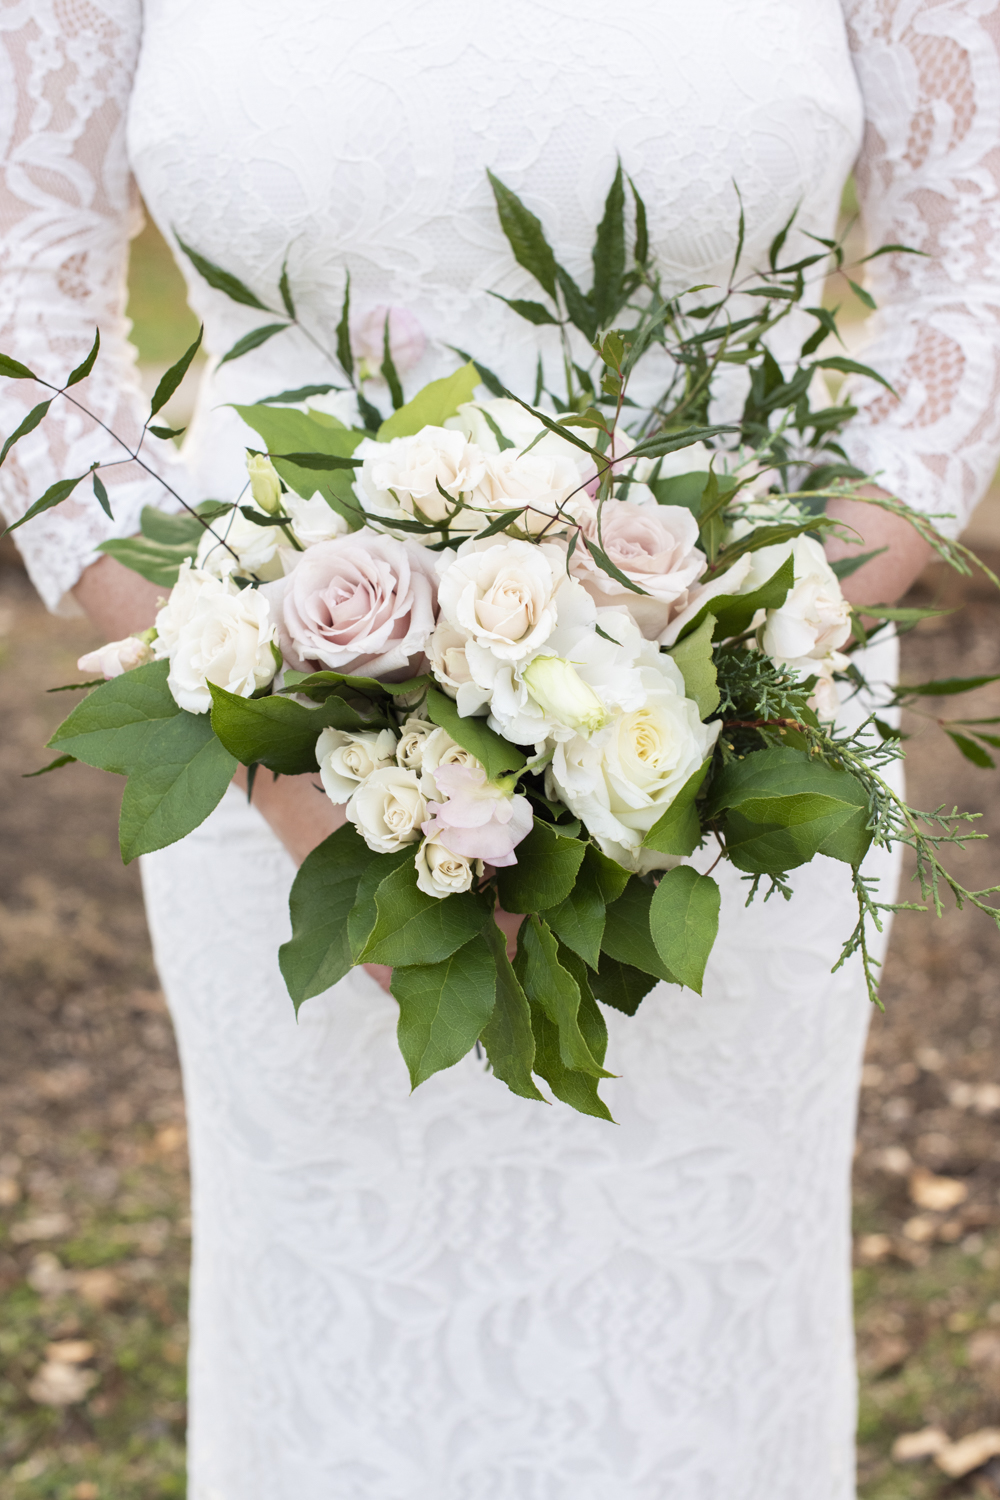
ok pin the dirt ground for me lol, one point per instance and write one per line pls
(94, 1234)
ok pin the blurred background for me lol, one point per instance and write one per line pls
(94, 1228)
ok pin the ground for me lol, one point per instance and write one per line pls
(94, 1234)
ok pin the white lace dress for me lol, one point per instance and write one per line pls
(459, 1295)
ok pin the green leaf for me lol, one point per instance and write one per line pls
(489, 380)
(318, 954)
(53, 765)
(300, 393)
(166, 432)
(222, 281)
(500, 523)
(779, 239)
(443, 1008)
(627, 936)
(389, 370)
(850, 367)
(579, 306)
(546, 421)
(322, 462)
(252, 341)
(545, 872)
(85, 366)
(29, 424)
(473, 734)
(845, 566)
(173, 377)
(154, 561)
(177, 770)
(609, 253)
(578, 1090)
(412, 928)
(579, 920)
(181, 528)
(734, 612)
(684, 921)
(693, 655)
(611, 878)
(507, 1038)
(891, 250)
(286, 291)
(275, 732)
(603, 561)
(944, 687)
(552, 987)
(363, 914)
(641, 229)
(54, 495)
(774, 536)
(659, 445)
(971, 751)
(344, 353)
(861, 294)
(593, 1026)
(432, 406)
(620, 985)
(298, 433)
(534, 312)
(678, 830)
(525, 236)
(14, 370)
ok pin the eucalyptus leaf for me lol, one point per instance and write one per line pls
(54, 495)
(533, 312)
(609, 253)
(12, 369)
(85, 366)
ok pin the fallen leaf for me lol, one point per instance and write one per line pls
(70, 1352)
(99, 1287)
(920, 1228)
(936, 1193)
(873, 1248)
(61, 1385)
(969, 1453)
(926, 1443)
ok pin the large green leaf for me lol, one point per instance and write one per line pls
(508, 1038)
(579, 920)
(678, 830)
(363, 914)
(578, 1090)
(525, 236)
(611, 878)
(497, 756)
(290, 431)
(177, 769)
(548, 984)
(734, 612)
(432, 406)
(318, 954)
(627, 935)
(156, 561)
(693, 655)
(609, 254)
(684, 921)
(413, 928)
(277, 733)
(545, 873)
(620, 985)
(443, 1008)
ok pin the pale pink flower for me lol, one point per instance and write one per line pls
(479, 820)
(655, 546)
(407, 340)
(362, 603)
(116, 657)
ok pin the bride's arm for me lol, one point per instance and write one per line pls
(68, 206)
(928, 176)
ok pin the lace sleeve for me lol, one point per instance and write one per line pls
(928, 176)
(68, 208)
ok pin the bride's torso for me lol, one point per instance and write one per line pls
(357, 137)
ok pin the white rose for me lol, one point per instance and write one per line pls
(237, 545)
(479, 419)
(345, 759)
(388, 809)
(449, 662)
(265, 484)
(626, 776)
(548, 484)
(439, 749)
(116, 657)
(314, 520)
(413, 736)
(406, 476)
(502, 594)
(815, 619)
(441, 873)
(214, 633)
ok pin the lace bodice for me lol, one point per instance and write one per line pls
(357, 137)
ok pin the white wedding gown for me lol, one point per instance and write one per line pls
(460, 1295)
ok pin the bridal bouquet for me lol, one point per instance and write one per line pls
(543, 651)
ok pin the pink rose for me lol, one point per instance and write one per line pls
(361, 603)
(653, 545)
(478, 821)
(116, 657)
(407, 340)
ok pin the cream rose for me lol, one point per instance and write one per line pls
(388, 809)
(655, 547)
(502, 594)
(622, 779)
(546, 486)
(237, 545)
(116, 657)
(410, 748)
(212, 632)
(407, 476)
(441, 873)
(362, 603)
(345, 759)
(439, 749)
(313, 520)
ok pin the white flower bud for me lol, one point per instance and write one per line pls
(562, 694)
(265, 486)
